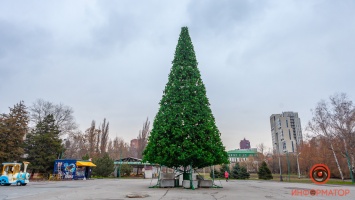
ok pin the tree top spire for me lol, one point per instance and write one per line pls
(184, 53)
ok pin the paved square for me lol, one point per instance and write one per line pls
(115, 189)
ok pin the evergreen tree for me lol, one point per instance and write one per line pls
(264, 172)
(243, 173)
(104, 166)
(43, 145)
(13, 128)
(236, 171)
(184, 131)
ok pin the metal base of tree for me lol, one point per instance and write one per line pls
(213, 184)
(158, 183)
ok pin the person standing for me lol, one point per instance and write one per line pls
(226, 175)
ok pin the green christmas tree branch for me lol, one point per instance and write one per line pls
(184, 131)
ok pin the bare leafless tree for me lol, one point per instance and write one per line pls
(76, 146)
(118, 148)
(62, 114)
(110, 148)
(342, 117)
(104, 136)
(261, 147)
(97, 146)
(91, 135)
(322, 124)
(121, 148)
(143, 138)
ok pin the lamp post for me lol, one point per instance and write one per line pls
(279, 160)
(288, 164)
(349, 164)
(120, 163)
(298, 166)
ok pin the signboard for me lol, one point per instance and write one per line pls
(65, 168)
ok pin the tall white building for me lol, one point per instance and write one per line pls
(286, 132)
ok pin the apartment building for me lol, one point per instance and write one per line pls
(286, 132)
(244, 144)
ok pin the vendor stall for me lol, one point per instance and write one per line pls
(73, 169)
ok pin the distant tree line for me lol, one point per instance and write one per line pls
(46, 131)
(34, 134)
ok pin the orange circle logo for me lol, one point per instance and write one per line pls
(312, 192)
(319, 173)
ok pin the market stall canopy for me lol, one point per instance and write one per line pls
(85, 164)
(132, 161)
(129, 160)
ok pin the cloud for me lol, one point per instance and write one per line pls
(111, 59)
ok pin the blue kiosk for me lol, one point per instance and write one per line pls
(73, 169)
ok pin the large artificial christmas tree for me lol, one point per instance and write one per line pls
(184, 131)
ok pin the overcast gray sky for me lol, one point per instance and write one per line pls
(111, 59)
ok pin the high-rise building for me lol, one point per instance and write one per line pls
(244, 144)
(134, 143)
(286, 131)
(134, 148)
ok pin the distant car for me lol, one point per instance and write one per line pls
(11, 174)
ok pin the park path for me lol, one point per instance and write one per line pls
(118, 189)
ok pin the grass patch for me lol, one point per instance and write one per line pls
(293, 178)
(339, 182)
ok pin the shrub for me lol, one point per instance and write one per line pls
(236, 171)
(243, 174)
(240, 172)
(264, 172)
(104, 166)
(126, 169)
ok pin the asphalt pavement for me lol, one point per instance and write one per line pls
(116, 189)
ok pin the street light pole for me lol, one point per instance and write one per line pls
(279, 161)
(288, 165)
(120, 162)
(298, 166)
